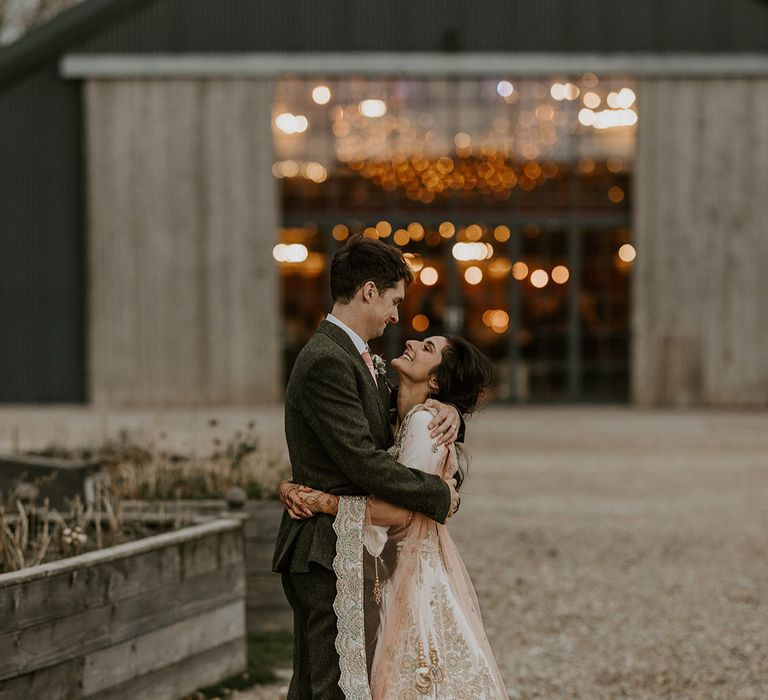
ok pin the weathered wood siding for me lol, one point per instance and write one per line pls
(700, 283)
(155, 618)
(182, 215)
(266, 605)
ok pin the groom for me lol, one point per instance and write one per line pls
(337, 428)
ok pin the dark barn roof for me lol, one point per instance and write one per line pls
(595, 26)
(42, 242)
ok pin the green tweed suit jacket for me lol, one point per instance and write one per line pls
(337, 428)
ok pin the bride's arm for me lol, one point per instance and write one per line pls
(314, 501)
(418, 451)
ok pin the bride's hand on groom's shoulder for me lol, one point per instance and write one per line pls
(290, 496)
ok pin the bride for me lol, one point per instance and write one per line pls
(409, 624)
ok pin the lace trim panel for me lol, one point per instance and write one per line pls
(349, 604)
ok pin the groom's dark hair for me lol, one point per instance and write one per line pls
(362, 260)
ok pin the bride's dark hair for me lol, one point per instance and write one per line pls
(463, 374)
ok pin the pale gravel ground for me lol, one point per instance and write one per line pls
(617, 553)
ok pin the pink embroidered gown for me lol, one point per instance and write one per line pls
(430, 641)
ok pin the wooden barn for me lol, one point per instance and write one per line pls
(581, 188)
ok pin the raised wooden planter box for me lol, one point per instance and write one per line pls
(156, 618)
(266, 604)
(70, 476)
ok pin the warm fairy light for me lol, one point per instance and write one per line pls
(415, 231)
(371, 232)
(286, 168)
(539, 278)
(626, 98)
(591, 100)
(462, 140)
(586, 117)
(401, 237)
(420, 323)
(321, 95)
(502, 233)
(373, 108)
(340, 232)
(414, 260)
(471, 251)
(505, 88)
(570, 91)
(612, 118)
(627, 253)
(315, 172)
(614, 164)
(384, 229)
(496, 319)
(499, 320)
(499, 267)
(474, 232)
(446, 229)
(586, 165)
(590, 80)
(473, 275)
(560, 274)
(290, 253)
(290, 123)
(616, 194)
(519, 271)
(429, 276)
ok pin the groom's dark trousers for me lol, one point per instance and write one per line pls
(337, 429)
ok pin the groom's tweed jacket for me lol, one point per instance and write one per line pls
(337, 429)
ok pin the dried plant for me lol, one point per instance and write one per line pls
(151, 470)
(31, 534)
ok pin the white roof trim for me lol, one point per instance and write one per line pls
(267, 65)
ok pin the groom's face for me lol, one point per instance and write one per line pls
(382, 308)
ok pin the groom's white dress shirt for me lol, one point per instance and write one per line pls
(360, 344)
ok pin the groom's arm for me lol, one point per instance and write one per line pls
(332, 407)
(437, 404)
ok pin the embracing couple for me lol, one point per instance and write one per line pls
(383, 606)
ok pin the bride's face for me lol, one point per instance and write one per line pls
(420, 358)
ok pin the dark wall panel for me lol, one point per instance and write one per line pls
(42, 356)
(433, 25)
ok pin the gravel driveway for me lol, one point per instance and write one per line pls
(617, 552)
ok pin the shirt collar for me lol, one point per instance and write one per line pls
(359, 343)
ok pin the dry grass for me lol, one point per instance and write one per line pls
(31, 534)
(152, 469)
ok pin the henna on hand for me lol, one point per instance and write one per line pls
(290, 496)
(321, 502)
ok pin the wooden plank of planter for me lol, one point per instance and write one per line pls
(49, 643)
(263, 520)
(65, 588)
(161, 648)
(184, 677)
(53, 683)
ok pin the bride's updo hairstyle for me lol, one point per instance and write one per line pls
(463, 374)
